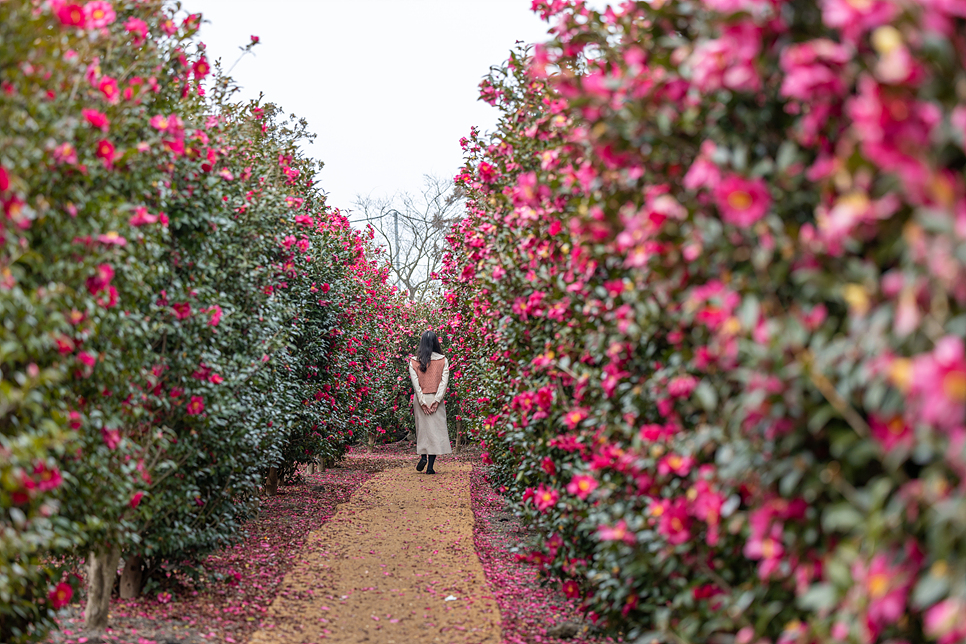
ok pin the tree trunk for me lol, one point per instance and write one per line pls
(271, 484)
(372, 442)
(131, 577)
(101, 573)
(310, 469)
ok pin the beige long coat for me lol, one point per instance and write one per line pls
(432, 436)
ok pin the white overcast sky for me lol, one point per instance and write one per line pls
(389, 86)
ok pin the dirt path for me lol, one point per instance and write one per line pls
(395, 565)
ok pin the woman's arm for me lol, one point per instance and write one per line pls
(441, 392)
(420, 398)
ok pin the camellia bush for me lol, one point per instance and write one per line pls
(182, 314)
(712, 279)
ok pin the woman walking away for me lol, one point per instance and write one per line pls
(429, 372)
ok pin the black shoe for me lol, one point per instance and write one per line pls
(421, 464)
(432, 460)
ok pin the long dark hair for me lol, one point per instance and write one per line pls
(428, 343)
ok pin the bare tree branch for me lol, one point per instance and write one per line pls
(416, 250)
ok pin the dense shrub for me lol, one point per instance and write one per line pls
(181, 310)
(714, 269)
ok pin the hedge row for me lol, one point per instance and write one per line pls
(713, 278)
(180, 309)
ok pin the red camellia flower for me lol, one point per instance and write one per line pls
(545, 497)
(47, 478)
(741, 201)
(60, 595)
(135, 499)
(96, 119)
(582, 485)
(571, 589)
(673, 520)
(112, 437)
(105, 151)
(137, 28)
(4, 179)
(71, 15)
(574, 417)
(548, 466)
(182, 310)
(109, 89)
(201, 68)
(195, 406)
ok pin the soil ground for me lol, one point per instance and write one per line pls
(396, 564)
(368, 551)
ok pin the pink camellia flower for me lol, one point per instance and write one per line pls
(142, 218)
(215, 315)
(4, 179)
(47, 478)
(682, 386)
(855, 18)
(86, 359)
(892, 129)
(112, 437)
(108, 87)
(96, 119)
(65, 153)
(573, 417)
(813, 70)
(703, 173)
(112, 238)
(105, 151)
(767, 546)
(182, 310)
(545, 497)
(164, 598)
(938, 384)
(728, 62)
(159, 122)
(60, 595)
(679, 465)
(99, 13)
(619, 532)
(100, 279)
(582, 486)
(195, 406)
(891, 433)
(887, 587)
(742, 201)
(136, 499)
(707, 507)
(673, 519)
(944, 621)
(137, 28)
